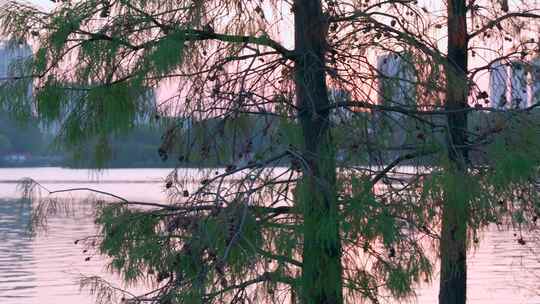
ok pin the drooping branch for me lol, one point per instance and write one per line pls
(398, 161)
(402, 35)
(412, 112)
(265, 277)
(493, 23)
(196, 35)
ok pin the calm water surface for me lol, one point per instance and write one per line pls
(46, 269)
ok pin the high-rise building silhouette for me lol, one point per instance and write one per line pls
(340, 114)
(509, 84)
(498, 84)
(12, 57)
(397, 88)
(519, 93)
(14, 61)
(396, 81)
(535, 81)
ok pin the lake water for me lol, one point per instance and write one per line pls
(46, 269)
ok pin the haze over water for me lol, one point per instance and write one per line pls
(46, 269)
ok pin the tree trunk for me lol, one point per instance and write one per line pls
(453, 247)
(321, 271)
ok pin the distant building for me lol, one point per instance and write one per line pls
(396, 81)
(397, 87)
(16, 157)
(498, 84)
(340, 114)
(147, 108)
(509, 85)
(13, 57)
(519, 94)
(535, 81)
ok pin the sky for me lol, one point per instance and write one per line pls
(434, 6)
(42, 3)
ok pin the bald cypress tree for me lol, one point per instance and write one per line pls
(319, 213)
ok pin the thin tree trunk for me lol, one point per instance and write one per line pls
(321, 271)
(453, 249)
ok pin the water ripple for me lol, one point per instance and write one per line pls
(45, 269)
